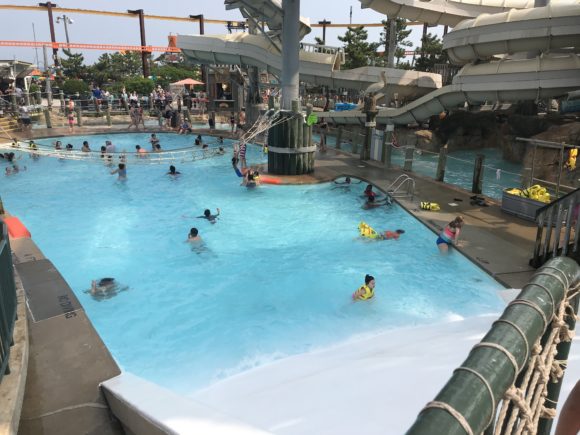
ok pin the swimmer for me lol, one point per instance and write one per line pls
(173, 171)
(58, 145)
(250, 180)
(221, 139)
(369, 191)
(221, 151)
(366, 291)
(153, 140)
(141, 152)
(210, 217)
(391, 235)
(85, 148)
(69, 147)
(105, 288)
(121, 171)
(372, 202)
(193, 236)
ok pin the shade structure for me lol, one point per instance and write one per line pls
(189, 82)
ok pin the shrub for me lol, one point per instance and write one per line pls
(140, 85)
(71, 87)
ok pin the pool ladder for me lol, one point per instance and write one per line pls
(402, 187)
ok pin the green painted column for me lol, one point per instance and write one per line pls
(522, 323)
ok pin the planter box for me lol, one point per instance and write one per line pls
(519, 206)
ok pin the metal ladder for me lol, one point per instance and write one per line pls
(402, 187)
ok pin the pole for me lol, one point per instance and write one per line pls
(392, 42)
(35, 48)
(440, 176)
(477, 185)
(144, 54)
(49, 6)
(350, 19)
(290, 50)
(202, 67)
(324, 23)
(65, 18)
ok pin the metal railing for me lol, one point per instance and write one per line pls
(510, 382)
(7, 300)
(555, 224)
(396, 189)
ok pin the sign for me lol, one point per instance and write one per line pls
(312, 119)
(370, 124)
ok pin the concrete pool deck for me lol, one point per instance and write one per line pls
(499, 243)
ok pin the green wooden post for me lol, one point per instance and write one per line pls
(339, 137)
(14, 102)
(187, 115)
(27, 98)
(522, 323)
(47, 117)
(477, 185)
(440, 176)
(108, 116)
(62, 105)
(409, 153)
(79, 112)
(38, 97)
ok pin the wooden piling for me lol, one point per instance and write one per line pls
(440, 176)
(477, 185)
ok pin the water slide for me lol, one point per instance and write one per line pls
(319, 65)
(551, 33)
(508, 37)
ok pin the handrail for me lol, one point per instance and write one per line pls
(560, 215)
(398, 184)
(517, 367)
(7, 300)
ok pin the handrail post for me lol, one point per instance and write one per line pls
(441, 163)
(62, 105)
(560, 167)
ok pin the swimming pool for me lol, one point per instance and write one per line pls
(274, 279)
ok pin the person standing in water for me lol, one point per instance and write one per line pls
(121, 171)
(450, 235)
(365, 291)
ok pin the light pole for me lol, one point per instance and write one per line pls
(66, 20)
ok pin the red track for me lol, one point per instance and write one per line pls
(104, 47)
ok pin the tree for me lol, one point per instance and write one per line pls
(166, 74)
(140, 85)
(73, 66)
(116, 67)
(400, 40)
(357, 50)
(431, 52)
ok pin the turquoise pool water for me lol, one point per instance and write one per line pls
(459, 168)
(274, 278)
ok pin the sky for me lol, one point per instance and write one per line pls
(18, 25)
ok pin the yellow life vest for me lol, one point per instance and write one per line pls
(366, 231)
(433, 206)
(368, 293)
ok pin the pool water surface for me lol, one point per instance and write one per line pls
(274, 277)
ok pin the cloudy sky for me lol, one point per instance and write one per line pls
(18, 25)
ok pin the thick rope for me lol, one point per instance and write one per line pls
(456, 414)
(517, 328)
(506, 352)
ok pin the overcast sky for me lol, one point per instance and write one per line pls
(17, 25)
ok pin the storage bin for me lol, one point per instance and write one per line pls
(519, 206)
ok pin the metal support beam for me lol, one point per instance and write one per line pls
(49, 6)
(144, 54)
(290, 51)
(392, 42)
(324, 23)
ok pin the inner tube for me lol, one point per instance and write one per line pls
(269, 180)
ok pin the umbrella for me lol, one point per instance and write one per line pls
(188, 82)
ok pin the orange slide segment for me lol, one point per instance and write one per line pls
(16, 229)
